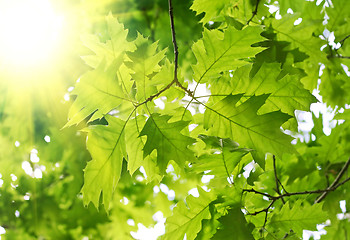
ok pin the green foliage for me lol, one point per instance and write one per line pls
(258, 132)
(187, 220)
(233, 224)
(106, 145)
(222, 115)
(217, 52)
(222, 163)
(166, 138)
(298, 218)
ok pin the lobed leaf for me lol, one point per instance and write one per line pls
(298, 218)
(165, 137)
(114, 48)
(241, 123)
(106, 145)
(234, 226)
(217, 52)
(98, 92)
(188, 220)
(144, 63)
(223, 161)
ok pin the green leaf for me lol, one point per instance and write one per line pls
(134, 148)
(298, 218)
(300, 36)
(222, 162)
(238, 10)
(334, 85)
(165, 137)
(339, 229)
(188, 220)
(98, 92)
(112, 49)
(241, 123)
(234, 226)
(144, 63)
(329, 148)
(286, 94)
(135, 143)
(106, 145)
(212, 9)
(218, 52)
(338, 18)
(295, 5)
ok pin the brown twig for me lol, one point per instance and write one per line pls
(282, 186)
(254, 12)
(276, 178)
(343, 40)
(334, 184)
(323, 192)
(176, 51)
(176, 56)
(261, 193)
(173, 36)
(266, 210)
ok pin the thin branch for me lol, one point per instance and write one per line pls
(150, 98)
(271, 197)
(263, 210)
(282, 186)
(276, 178)
(342, 182)
(176, 51)
(335, 184)
(266, 210)
(261, 193)
(340, 56)
(343, 40)
(176, 55)
(254, 12)
(323, 192)
(173, 36)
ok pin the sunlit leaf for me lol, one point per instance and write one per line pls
(106, 145)
(241, 122)
(165, 137)
(219, 51)
(187, 219)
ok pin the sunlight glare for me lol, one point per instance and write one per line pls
(29, 32)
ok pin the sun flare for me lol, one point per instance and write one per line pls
(30, 31)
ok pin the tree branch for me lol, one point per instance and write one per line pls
(254, 12)
(323, 192)
(176, 51)
(266, 210)
(343, 40)
(176, 56)
(261, 193)
(334, 184)
(173, 36)
(340, 56)
(276, 178)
